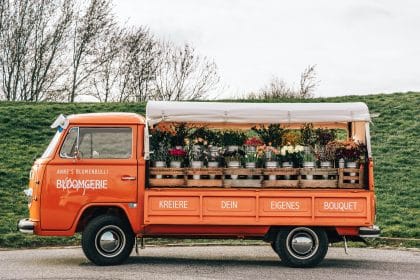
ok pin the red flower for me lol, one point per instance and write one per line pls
(254, 141)
(177, 152)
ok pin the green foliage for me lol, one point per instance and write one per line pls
(271, 135)
(308, 135)
(233, 138)
(25, 133)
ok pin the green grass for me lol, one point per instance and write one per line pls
(25, 133)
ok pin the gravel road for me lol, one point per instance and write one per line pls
(209, 262)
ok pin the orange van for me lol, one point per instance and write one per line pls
(95, 177)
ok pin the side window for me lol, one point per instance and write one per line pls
(105, 143)
(68, 148)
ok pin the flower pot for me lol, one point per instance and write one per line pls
(214, 153)
(309, 164)
(325, 164)
(196, 164)
(271, 164)
(213, 164)
(234, 164)
(250, 164)
(287, 164)
(341, 163)
(352, 164)
(175, 164)
(160, 164)
(250, 149)
(232, 148)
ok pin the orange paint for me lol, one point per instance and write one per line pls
(64, 188)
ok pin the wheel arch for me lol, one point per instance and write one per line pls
(92, 211)
(332, 234)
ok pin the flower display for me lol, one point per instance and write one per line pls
(290, 153)
(177, 154)
(350, 151)
(254, 142)
(233, 155)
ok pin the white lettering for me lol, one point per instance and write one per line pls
(229, 204)
(173, 204)
(67, 184)
(340, 205)
(285, 205)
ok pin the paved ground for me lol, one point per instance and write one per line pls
(212, 262)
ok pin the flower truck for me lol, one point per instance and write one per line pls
(296, 175)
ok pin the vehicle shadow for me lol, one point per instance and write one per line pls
(327, 263)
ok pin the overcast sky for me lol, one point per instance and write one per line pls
(359, 46)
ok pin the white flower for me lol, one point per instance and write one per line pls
(299, 148)
(283, 151)
(290, 149)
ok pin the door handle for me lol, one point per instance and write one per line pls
(128, 178)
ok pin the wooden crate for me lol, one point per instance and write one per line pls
(344, 178)
(247, 177)
(170, 177)
(206, 175)
(280, 181)
(319, 180)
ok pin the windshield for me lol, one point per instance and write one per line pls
(52, 145)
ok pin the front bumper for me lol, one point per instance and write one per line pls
(26, 226)
(373, 231)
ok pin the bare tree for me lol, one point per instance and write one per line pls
(109, 60)
(183, 75)
(88, 30)
(46, 65)
(32, 35)
(16, 29)
(278, 89)
(308, 82)
(138, 70)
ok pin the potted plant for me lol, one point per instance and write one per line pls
(176, 157)
(251, 155)
(179, 133)
(233, 139)
(308, 136)
(271, 154)
(292, 156)
(233, 159)
(214, 140)
(352, 153)
(159, 144)
(309, 161)
(272, 135)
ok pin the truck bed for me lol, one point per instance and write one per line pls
(215, 206)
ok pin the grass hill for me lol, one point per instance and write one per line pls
(25, 133)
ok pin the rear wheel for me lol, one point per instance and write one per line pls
(301, 246)
(107, 240)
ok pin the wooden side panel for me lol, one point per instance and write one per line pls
(258, 207)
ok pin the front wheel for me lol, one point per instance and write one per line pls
(107, 240)
(302, 246)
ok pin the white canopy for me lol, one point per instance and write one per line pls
(258, 113)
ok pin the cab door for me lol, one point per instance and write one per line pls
(95, 164)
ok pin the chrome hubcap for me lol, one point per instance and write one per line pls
(110, 241)
(302, 243)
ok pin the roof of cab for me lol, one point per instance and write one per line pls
(106, 118)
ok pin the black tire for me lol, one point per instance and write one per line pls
(273, 246)
(107, 240)
(301, 246)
